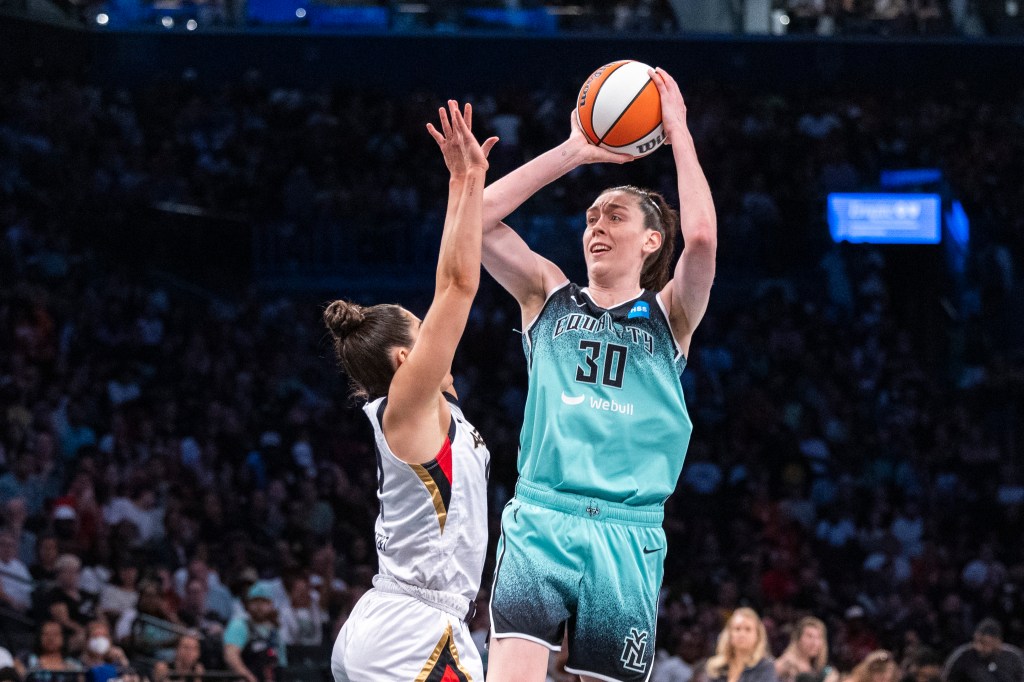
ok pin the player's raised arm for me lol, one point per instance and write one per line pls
(687, 294)
(414, 399)
(522, 272)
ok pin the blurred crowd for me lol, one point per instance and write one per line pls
(184, 482)
(880, 18)
(891, 18)
(869, 17)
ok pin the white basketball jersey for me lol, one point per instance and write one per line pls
(431, 532)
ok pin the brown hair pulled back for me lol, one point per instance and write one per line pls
(363, 339)
(660, 216)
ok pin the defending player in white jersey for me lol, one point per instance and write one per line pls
(432, 465)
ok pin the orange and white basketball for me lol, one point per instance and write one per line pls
(619, 108)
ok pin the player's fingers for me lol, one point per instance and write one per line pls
(669, 80)
(487, 145)
(459, 128)
(468, 115)
(438, 137)
(445, 126)
(574, 120)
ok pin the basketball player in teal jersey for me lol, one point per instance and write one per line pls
(605, 432)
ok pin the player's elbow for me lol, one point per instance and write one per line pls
(703, 238)
(460, 282)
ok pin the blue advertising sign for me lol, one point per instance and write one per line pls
(885, 218)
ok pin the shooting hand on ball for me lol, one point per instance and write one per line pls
(591, 153)
(462, 153)
(673, 109)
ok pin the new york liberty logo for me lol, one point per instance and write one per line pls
(633, 658)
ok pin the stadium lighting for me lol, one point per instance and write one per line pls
(102, 19)
(167, 22)
(784, 20)
(300, 13)
(191, 24)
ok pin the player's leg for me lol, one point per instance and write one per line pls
(512, 659)
(612, 637)
(535, 576)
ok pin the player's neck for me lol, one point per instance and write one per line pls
(611, 294)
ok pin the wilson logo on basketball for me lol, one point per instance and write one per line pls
(650, 145)
(586, 86)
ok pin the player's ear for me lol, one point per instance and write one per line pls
(653, 241)
(399, 354)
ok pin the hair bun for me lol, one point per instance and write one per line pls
(343, 318)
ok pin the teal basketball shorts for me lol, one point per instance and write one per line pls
(585, 567)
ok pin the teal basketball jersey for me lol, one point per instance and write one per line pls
(605, 415)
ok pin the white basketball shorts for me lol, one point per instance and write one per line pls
(398, 638)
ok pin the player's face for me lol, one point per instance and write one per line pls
(615, 237)
(742, 633)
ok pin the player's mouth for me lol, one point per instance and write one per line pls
(599, 248)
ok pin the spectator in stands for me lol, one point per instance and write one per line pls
(8, 667)
(669, 665)
(922, 665)
(44, 569)
(807, 653)
(15, 580)
(66, 603)
(22, 482)
(121, 594)
(154, 627)
(186, 660)
(302, 619)
(49, 653)
(218, 598)
(323, 578)
(101, 657)
(742, 651)
(253, 646)
(15, 515)
(195, 612)
(877, 666)
(141, 509)
(986, 658)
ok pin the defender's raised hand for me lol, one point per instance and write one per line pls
(460, 148)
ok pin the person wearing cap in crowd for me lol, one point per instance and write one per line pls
(855, 639)
(253, 646)
(986, 658)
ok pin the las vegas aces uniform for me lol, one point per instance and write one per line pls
(431, 537)
(604, 436)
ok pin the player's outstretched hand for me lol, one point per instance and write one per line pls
(461, 150)
(591, 152)
(673, 108)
